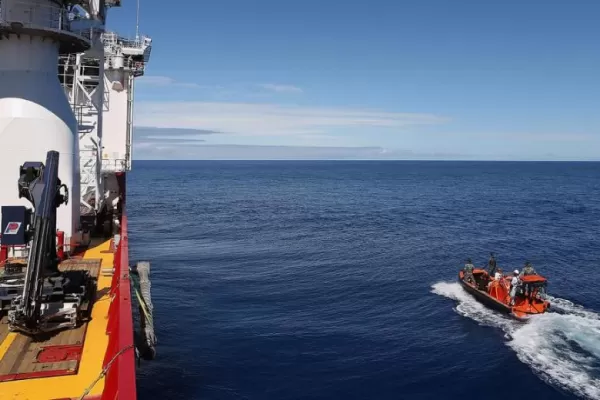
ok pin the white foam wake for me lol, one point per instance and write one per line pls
(562, 348)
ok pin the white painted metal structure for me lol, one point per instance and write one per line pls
(124, 60)
(35, 116)
(91, 127)
(82, 78)
(99, 84)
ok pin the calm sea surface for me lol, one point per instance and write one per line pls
(337, 280)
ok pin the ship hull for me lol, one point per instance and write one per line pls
(120, 354)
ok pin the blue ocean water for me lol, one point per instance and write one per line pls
(337, 280)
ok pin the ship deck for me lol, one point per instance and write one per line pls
(62, 365)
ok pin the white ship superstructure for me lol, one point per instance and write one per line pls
(91, 127)
(125, 59)
(99, 84)
(66, 112)
(35, 116)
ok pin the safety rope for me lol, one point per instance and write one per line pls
(105, 370)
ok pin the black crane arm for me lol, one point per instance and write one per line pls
(40, 185)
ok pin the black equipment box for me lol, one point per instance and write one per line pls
(15, 220)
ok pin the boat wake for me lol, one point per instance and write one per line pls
(561, 346)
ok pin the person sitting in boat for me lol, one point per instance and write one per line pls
(514, 285)
(468, 269)
(528, 270)
(492, 265)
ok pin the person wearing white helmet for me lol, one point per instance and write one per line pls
(514, 283)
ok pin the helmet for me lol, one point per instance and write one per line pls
(516, 272)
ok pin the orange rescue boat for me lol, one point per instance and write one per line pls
(495, 293)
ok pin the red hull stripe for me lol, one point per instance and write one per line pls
(120, 355)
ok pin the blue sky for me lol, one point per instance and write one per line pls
(427, 79)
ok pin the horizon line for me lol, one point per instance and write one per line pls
(376, 160)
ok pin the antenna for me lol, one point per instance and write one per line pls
(137, 22)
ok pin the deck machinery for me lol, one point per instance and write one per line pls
(50, 299)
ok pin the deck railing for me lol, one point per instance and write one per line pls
(114, 165)
(32, 14)
(119, 362)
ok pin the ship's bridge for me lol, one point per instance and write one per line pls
(129, 54)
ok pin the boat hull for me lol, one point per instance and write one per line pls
(484, 298)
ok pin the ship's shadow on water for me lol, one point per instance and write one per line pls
(337, 280)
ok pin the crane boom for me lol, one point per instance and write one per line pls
(50, 299)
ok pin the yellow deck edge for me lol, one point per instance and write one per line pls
(94, 348)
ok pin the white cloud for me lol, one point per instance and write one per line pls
(166, 81)
(157, 80)
(244, 152)
(169, 143)
(549, 136)
(281, 88)
(269, 119)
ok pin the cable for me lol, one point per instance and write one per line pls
(105, 370)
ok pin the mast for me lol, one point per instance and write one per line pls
(137, 21)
